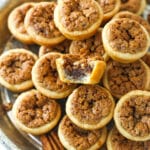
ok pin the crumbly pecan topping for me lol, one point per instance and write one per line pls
(78, 15)
(79, 138)
(134, 115)
(16, 68)
(36, 110)
(90, 104)
(146, 59)
(123, 78)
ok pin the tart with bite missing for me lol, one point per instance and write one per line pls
(39, 24)
(121, 78)
(74, 138)
(76, 69)
(46, 80)
(125, 40)
(35, 113)
(78, 19)
(132, 115)
(90, 107)
(16, 23)
(15, 69)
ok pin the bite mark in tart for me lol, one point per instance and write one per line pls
(90, 107)
(78, 19)
(75, 138)
(40, 25)
(116, 141)
(132, 115)
(125, 40)
(122, 78)
(35, 113)
(73, 69)
(46, 80)
(16, 23)
(15, 69)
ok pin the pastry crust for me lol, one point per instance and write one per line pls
(15, 69)
(46, 80)
(16, 23)
(131, 115)
(40, 25)
(84, 20)
(73, 69)
(90, 107)
(125, 40)
(121, 78)
(47, 124)
(77, 132)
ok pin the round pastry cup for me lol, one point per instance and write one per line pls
(38, 130)
(68, 146)
(116, 115)
(147, 79)
(87, 126)
(25, 85)
(38, 39)
(120, 56)
(77, 35)
(23, 37)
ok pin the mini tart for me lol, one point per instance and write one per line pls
(16, 23)
(135, 6)
(40, 25)
(35, 113)
(78, 19)
(109, 7)
(132, 115)
(92, 46)
(90, 107)
(121, 78)
(46, 80)
(73, 69)
(116, 141)
(15, 69)
(61, 48)
(75, 138)
(125, 40)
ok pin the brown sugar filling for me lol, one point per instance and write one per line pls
(42, 20)
(134, 115)
(146, 59)
(78, 15)
(127, 36)
(107, 5)
(77, 137)
(90, 104)
(48, 75)
(123, 78)
(36, 110)
(89, 47)
(16, 68)
(119, 142)
(131, 5)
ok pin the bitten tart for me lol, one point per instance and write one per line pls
(15, 69)
(90, 107)
(132, 115)
(125, 40)
(78, 19)
(92, 46)
(116, 141)
(73, 69)
(46, 80)
(35, 113)
(16, 23)
(40, 25)
(135, 6)
(122, 78)
(75, 138)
